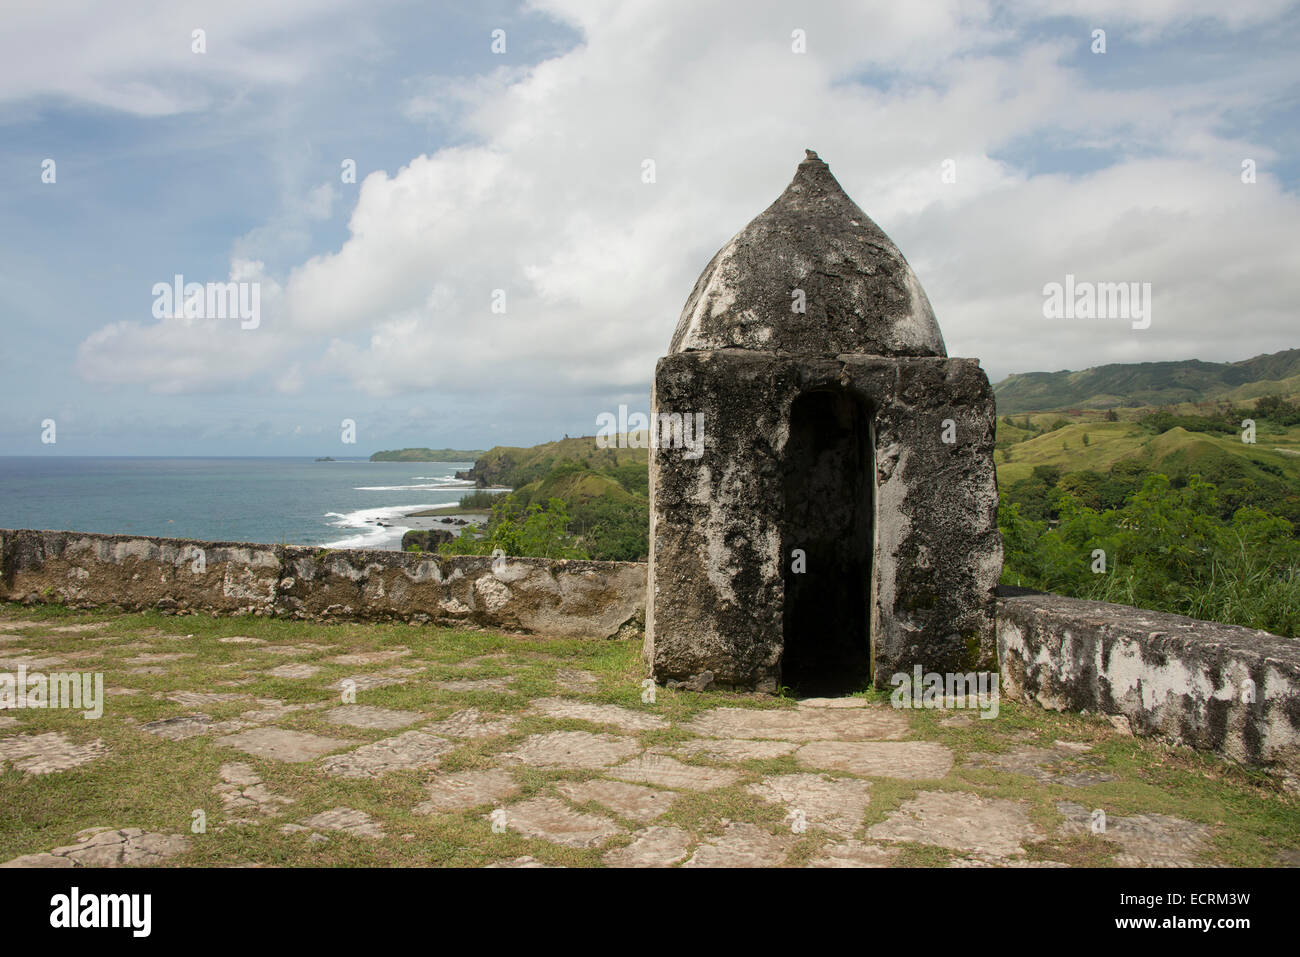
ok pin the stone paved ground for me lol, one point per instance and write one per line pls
(251, 742)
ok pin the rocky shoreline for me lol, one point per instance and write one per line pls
(430, 528)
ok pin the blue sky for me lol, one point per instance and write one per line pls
(521, 171)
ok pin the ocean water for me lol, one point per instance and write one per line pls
(294, 501)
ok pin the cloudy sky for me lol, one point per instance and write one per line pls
(521, 170)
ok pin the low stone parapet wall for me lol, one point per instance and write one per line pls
(1222, 688)
(571, 599)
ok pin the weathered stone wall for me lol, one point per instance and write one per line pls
(715, 537)
(1216, 687)
(571, 599)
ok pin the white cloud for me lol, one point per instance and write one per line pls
(1153, 16)
(183, 355)
(447, 98)
(547, 204)
(1221, 257)
(137, 57)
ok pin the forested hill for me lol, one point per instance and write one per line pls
(1129, 385)
(514, 466)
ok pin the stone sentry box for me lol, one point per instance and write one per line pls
(841, 523)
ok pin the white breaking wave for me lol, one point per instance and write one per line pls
(371, 535)
(412, 488)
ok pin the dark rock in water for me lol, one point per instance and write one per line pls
(426, 539)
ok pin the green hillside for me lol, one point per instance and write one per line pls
(575, 484)
(427, 455)
(1189, 517)
(1108, 442)
(513, 466)
(604, 494)
(1150, 384)
(1267, 472)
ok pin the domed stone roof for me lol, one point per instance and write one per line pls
(860, 295)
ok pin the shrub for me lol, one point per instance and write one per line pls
(539, 531)
(481, 498)
(1167, 549)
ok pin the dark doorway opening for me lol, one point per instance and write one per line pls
(829, 512)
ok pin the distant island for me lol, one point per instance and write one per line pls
(326, 458)
(427, 455)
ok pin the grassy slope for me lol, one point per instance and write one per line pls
(516, 466)
(605, 490)
(575, 487)
(1174, 451)
(1108, 443)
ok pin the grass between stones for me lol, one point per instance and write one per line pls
(1156, 794)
